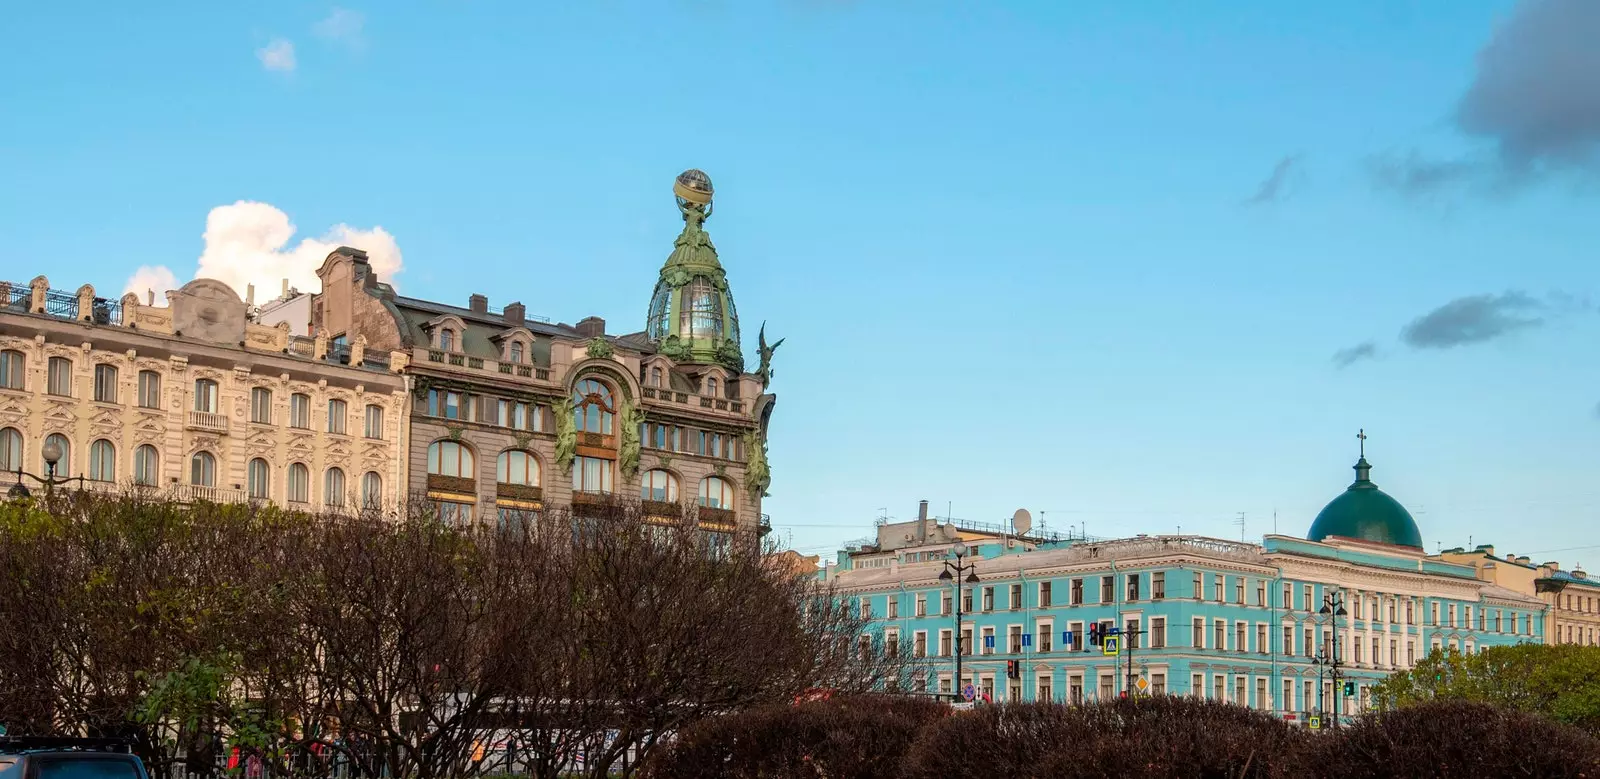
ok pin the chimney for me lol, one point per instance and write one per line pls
(514, 313)
(1487, 549)
(1551, 566)
(591, 327)
(478, 303)
(922, 521)
(249, 294)
(1525, 560)
(1579, 573)
(285, 289)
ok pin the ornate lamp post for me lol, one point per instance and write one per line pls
(953, 573)
(52, 455)
(1333, 609)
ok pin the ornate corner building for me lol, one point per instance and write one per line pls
(197, 399)
(512, 413)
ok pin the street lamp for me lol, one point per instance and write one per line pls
(953, 573)
(1333, 609)
(52, 455)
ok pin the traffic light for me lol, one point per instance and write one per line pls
(1350, 689)
(1094, 634)
(1013, 669)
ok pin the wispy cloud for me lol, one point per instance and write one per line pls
(1415, 175)
(344, 26)
(1351, 355)
(277, 55)
(1276, 186)
(1473, 319)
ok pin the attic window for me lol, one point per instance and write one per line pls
(655, 377)
(711, 386)
(447, 339)
(516, 351)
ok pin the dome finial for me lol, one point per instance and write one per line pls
(1363, 468)
(1362, 435)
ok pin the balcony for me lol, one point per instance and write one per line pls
(209, 422)
(190, 493)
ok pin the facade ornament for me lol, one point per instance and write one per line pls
(664, 461)
(673, 348)
(630, 417)
(566, 434)
(728, 355)
(757, 474)
(455, 431)
(600, 348)
(764, 373)
(420, 385)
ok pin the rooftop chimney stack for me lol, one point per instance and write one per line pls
(922, 521)
(478, 303)
(592, 327)
(515, 313)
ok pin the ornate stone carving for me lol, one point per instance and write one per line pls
(566, 434)
(764, 373)
(757, 474)
(629, 416)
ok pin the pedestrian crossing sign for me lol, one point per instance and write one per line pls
(1316, 722)
(1110, 645)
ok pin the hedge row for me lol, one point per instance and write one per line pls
(885, 738)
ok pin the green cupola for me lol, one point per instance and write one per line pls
(692, 318)
(1366, 513)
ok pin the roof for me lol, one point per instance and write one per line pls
(1366, 513)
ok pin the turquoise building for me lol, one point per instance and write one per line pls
(1256, 624)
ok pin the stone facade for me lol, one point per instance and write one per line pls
(1572, 597)
(195, 399)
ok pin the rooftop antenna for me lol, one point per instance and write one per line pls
(1240, 523)
(1274, 521)
(883, 516)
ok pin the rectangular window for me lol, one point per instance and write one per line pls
(373, 424)
(12, 370)
(920, 647)
(1046, 636)
(922, 605)
(1305, 698)
(60, 377)
(966, 600)
(149, 389)
(1105, 687)
(1238, 590)
(1261, 638)
(336, 417)
(966, 641)
(1044, 595)
(1077, 592)
(1045, 689)
(1288, 597)
(1016, 597)
(1075, 689)
(1073, 641)
(892, 607)
(1307, 643)
(1014, 639)
(1358, 651)
(300, 411)
(1216, 588)
(591, 474)
(1197, 685)
(1394, 652)
(1107, 589)
(1238, 691)
(1158, 585)
(1305, 593)
(945, 638)
(1131, 634)
(988, 641)
(1220, 635)
(1158, 633)
(1287, 704)
(1219, 690)
(946, 603)
(205, 396)
(1198, 587)
(988, 599)
(1198, 641)
(1238, 637)
(1411, 653)
(1411, 616)
(1133, 587)
(1261, 593)
(1261, 694)
(1288, 641)
(1158, 684)
(105, 383)
(261, 405)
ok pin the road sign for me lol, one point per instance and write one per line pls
(963, 706)
(1141, 684)
(1109, 646)
(1316, 722)
(969, 692)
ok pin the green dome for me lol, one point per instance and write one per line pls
(1366, 513)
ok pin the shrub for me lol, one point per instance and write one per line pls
(864, 736)
(1453, 738)
(1129, 739)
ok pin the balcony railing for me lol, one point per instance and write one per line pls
(207, 421)
(194, 492)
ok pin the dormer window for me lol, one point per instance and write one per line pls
(655, 377)
(516, 352)
(711, 386)
(447, 339)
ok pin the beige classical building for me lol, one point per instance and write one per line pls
(194, 398)
(512, 413)
(1573, 598)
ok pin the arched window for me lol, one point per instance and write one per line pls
(716, 493)
(64, 466)
(372, 490)
(299, 483)
(516, 351)
(258, 479)
(103, 461)
(700, 310)
(333, 487)
(655, 376)
(518, 467)
(10, 449)
(12, 369)
(205, 396)
(448, 458)
(146, 465)
(592, 407)
(658, 485)
(711, 386)
(447, 339)
(203, 469)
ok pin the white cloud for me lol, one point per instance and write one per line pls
(249, 243)
(342, 24)
(278, 54)
(147, 279)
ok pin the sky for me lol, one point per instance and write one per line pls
(1135, 267)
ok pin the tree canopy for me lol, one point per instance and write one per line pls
(1559, 681)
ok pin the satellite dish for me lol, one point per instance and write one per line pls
(1022, 522)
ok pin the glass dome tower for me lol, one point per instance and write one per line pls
(692, 318)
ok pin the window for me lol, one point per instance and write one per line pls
(1045, 631)
(448, 458)
(716, 493)
(655, 377)
(922, 605)
(1288, 596)
(1261, 694)
(102, 461)
(300, 411)
(516, 351)
(988, 599)
(1287, 704)
(517, 467)
(1044, 595)
(1307, 643)
(661, 487)
(1158, 585)
(65, 464)
(1014, 639)
(1216, 588)
(373, 425)
(1238, 590)
(60, 377)
(592, 474)
(1306, 698)
(919, 646)
(1077, 592)
(1305, 596)
(1238, 638)
(1218, 688)
(299, 483)
(372, 490)
(1358, 650)
(105, 383)
(1045, 688)
(146, 465)
(700, 312)
(12, 369)
(447, 339)
(891, 607)
(711, 386)
(453, 514)
(592, 407)
(257, 479)
(988, 641)
(1199, 586)
(336, 416)
(1261, 593)
(944, 643)
(1158, 633)
(1220, 635)
(1016, 597)
(261, 405)
(205, 396)
(1261, 638)
(1107, 589)
(449, 404)
(333, 487)
(1197, 685)
(149, 389)
(203, 469)
(1133, 587)
(1198, 641)
(1288, 641)
(1158, 684)
(946, 604)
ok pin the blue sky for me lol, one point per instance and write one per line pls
(1091, 259)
